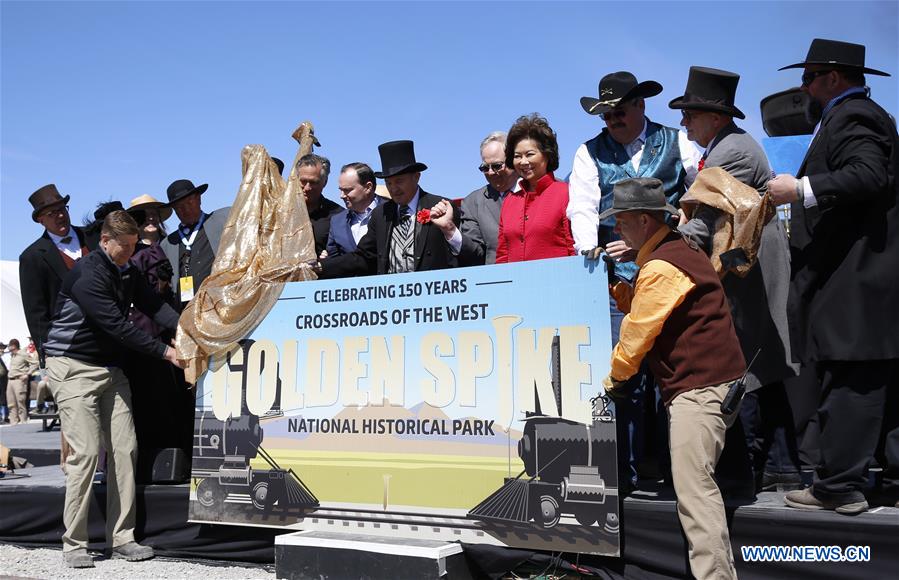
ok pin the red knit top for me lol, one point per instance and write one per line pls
(533, 224)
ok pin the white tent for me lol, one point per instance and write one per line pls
(12, 317)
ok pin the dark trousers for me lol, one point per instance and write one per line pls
(804, 394)
(851, 418)
(768, 426)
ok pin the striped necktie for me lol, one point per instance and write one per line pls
(401, 244)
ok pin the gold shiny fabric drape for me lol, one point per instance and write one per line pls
(744, 214)
(267, 241)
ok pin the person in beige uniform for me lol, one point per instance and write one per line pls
(20, 368)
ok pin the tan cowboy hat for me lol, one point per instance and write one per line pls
(382, 191)
(145, 202)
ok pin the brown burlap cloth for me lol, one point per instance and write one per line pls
(738, 229)
(266, 242)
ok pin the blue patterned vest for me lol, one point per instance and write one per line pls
(661, 159)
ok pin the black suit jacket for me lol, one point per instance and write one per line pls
(373, 251)
(41, 271)
(844, 291)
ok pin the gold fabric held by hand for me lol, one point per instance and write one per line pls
(744, 214)
(267, 241)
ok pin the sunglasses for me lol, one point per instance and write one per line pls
(616, 114)
(494, 167)
(809, 77)
(690, 115)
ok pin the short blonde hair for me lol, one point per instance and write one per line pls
(119, 223)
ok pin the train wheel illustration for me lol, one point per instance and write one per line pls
(210, 493)
(549, 511)
(260, 493)
(587, 515)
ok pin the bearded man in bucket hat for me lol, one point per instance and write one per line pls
(679, 321)
(629, 146)
(192, 247)
(844, 291)
(401, 236)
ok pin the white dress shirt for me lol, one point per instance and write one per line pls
(584, 192)
(359, 220)
(72, 248)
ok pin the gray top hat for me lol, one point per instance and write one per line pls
(638, 194)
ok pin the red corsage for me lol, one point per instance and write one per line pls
(423, 216)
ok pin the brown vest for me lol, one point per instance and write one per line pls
(698, 346)
(69, 262)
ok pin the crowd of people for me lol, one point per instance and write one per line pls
(800, 321)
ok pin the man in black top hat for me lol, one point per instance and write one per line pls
(629, 146)
(759, 299)
(44, 264)
(400, 237)
(192, 247)
(844, 292)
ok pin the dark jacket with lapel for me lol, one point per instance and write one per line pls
(844, 293)
(41, 271)
(373, 251)
(212, 228)
(480, 226)
(340, 236)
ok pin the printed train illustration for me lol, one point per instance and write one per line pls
(571, 470)
(221, 462)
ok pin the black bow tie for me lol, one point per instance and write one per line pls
(65, 240)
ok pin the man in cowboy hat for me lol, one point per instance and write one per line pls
(629, 146)
(759, 299)
(676, 309)
(400, 238)
(44, 263)
(844, 291)
(191, 248)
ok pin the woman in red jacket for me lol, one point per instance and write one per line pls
(533, 224)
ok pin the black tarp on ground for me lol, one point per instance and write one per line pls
(653, 545)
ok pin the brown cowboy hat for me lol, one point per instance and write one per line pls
(45, 198)
(145, 202)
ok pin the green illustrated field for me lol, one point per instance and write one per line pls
(446, 481)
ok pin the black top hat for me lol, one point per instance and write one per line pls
(710, 89)
(279, 164)
(638, 194)
(838, 54)
(45, 197)
(618, 87)
(183, 188)
(398, 157)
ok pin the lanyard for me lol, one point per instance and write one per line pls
(189, 240)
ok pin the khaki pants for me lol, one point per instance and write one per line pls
(697, 429)
(95, 410)
(17, 400)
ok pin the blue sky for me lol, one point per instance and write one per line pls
(117, 99)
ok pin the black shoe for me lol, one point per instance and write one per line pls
(133, 552)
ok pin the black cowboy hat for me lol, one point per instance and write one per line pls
(710, 89)
(844, 55)
(618, 87)
(398, 157)
(44, 198)
(182, 188)
(638, 194)
(784, 113)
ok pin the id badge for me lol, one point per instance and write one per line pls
(186, 283)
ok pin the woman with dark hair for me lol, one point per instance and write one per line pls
(162, 404)
(533, 224)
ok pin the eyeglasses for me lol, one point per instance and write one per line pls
(495, 167)
(56, 211)
(690, 115)
(618, 112)
(809, 77)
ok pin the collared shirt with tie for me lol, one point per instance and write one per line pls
(402, 242)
